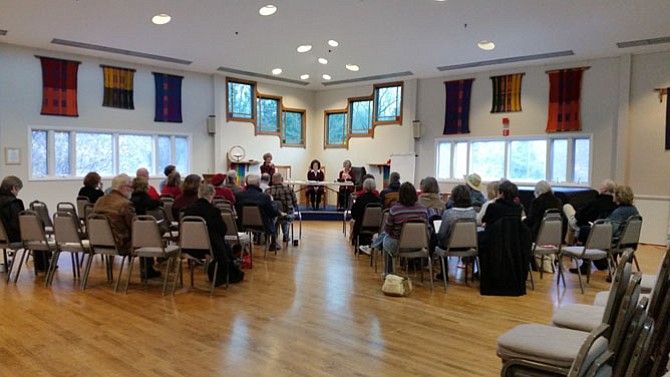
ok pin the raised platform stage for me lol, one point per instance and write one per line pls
(330, 213)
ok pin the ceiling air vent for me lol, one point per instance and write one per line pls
(514, 59)
(114, 50)
(368, 78)
(643, 42)
(254, 74)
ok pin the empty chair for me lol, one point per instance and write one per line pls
(72, 210)
(148, 242)
(194, 237)
(252, 222)
(549, 242)
(42, 211)
(6, 246)
(168, 202)
(462, 243)
(413, 243)
(164, 223)
(68, 238)
(34, 238)
(598, 246)
(102, 241)
(235, 237)
(81, 206)
(629, 238)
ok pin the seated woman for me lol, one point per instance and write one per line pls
(389, 195)
(504, 206)
(188, 195)
(140, 197)
(346, 175)
(92, 187)
(172, 186)
(491, 196)
(220, 190)
(462, 209)
(362, 190)
(405, 209)
(314, 192)
(430, 197)
(544, 200)
(358, 209)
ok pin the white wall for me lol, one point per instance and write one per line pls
(20, 105)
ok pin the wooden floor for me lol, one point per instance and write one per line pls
(312, 310)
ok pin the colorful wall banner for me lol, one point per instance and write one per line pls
(457, 111)
(506, 93)
(118, 87)
(565, 87)
(168, 97)
(59, 87)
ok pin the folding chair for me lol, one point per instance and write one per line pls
(597, 246)
(194, 236)
(42, 211)
(68, 238)
(102, 242)
(549, 242)
(6, 245)
(370, 223)
(629, 238)
(81, 206)
(346, 215)
(413, 244)
(34, 238)
(252, 222)
(462, 243)
(235, 237)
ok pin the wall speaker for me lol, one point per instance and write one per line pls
(211, 124)
(416, 129)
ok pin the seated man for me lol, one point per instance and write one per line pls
(580, 221)
(283, 194)
(216, 229)
(119, 210)
(255, 196)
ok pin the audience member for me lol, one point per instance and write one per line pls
(266, 181)
(346, 175)
(119, 210)
(255, 196)
(405, 209)
(220, 190)
(462, 209)
(389, 195)
(144, 173)
(231, 181)
(544, 200)
(362, 190)
(217, 232)
(10, 207)
(268, 167)
(92, 187)
(173, 186)
(491, 196)
(474, 183)
(189, 194)
(601, 207)
(358, 209)
(504, 205)
(167, 171)
(283, 194)
(430, 197)
(140, 197)
(314, 193)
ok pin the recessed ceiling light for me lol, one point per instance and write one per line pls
(326, 76)
(323, 60)
(276, 71)
(352, 67)
(304, 77)
(161, 19)
(304, 48)
(486, 45)
(333, 43)
(267, 10)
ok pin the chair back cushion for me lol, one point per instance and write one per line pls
(463, 234)
(193, 233)
(146, 233)
(372, 216)
(252, 218)
(414, 235)
(66, 228)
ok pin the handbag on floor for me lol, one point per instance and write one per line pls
(397, 286)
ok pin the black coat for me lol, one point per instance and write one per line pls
(10, 206)
(142, 202)
(537, 208)
(499, 209)
(358, 209)
(599, 208)
(254, 195)
(215, 227)
(93, 194)
(504, 259)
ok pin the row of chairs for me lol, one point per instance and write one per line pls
(628, 336)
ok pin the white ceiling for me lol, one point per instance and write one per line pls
(381, 36)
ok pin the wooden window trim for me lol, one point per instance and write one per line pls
(374, 104)
(345, 144)
(254, 86)
(280, 106)
(303, 127)
(350, 113)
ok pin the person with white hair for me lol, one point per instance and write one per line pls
(231, 181)
(144, 173)
(253, 195)
(544, 200)
(358, 209)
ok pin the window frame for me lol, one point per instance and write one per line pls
(280, 109)
(303, 127)
(345, 139)
(50, 150)
(570, 161)
(254, 95)
(350, 102)
(375, 109)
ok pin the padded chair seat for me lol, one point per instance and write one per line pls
(578, 317)
(75, 246)
(156, 251)
(546, 344)
(648, 282)
(39, 245)
(601, 298)
(576, 251)
(15, 246)
(545, 250)
(460, 253)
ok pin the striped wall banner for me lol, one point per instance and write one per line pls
(457, 109)
(118, 87)
(506, 93)
(565, 87)
(168, 97)
(59, 87)
(667, 120)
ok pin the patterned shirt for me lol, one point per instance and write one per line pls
(399, 214)
(285, 195)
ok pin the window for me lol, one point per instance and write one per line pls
(268, 115)
(76, 153)
(388, 103)
(241, 97)
(293, 128)
(336, 129)
(523, 160)
(360, 117)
